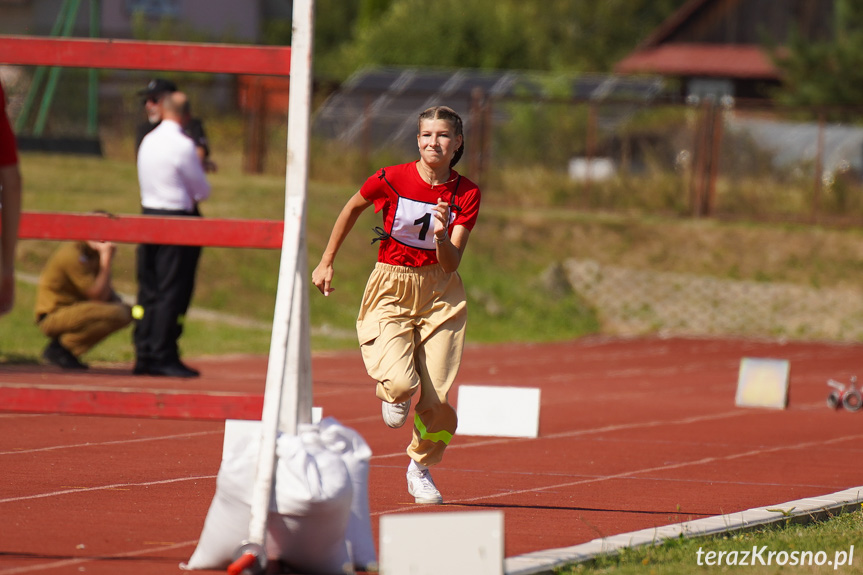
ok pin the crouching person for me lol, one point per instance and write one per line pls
(76, 305)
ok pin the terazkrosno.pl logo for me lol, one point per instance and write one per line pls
(764, 556)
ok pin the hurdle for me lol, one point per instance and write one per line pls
(211, 232)
(134, 229)
(288, 390)
(126, 402)
(110, 401)
(287, 394)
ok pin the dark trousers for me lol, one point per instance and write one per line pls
(166, 281)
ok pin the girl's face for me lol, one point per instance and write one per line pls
(437, 142)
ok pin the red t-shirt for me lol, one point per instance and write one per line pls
(8, 146)
(407, 202)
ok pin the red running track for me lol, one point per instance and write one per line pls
(633, 434)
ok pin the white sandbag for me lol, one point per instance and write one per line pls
(311, 508)
(356, 454)
(225, 528)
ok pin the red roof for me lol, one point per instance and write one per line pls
(710, 60)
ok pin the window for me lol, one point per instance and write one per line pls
(154, 8)
(710, 88)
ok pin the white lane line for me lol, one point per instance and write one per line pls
(629, 474)
(573, 476)
(117, 442)
(591, 431)
(80, 560)
(105, 488)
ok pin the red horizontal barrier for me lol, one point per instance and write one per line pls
(229, 233)
(167, 404)
(137, 55)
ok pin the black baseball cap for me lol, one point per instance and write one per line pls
(157, 87)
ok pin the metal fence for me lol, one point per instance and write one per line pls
(607, 145)
(741, 161)
(738, 160)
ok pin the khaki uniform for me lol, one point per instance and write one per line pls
(63, 310)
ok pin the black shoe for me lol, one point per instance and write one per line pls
(172, 369)
(142, 367)
(58, 355)
(192, 369)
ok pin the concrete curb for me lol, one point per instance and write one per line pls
(798, 511)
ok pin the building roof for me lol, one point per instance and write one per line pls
(708, 60)
(725, 38)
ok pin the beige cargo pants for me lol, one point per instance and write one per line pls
(411, 331)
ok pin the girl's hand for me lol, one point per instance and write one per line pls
(441, 219)
(322, 277)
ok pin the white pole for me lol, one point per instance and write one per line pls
(288, 392)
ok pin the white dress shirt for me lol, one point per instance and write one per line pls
(170, 173)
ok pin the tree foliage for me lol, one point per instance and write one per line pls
(826, 73)
(335, 21)
(547, 35)
(553, 35)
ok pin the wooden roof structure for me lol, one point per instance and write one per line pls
(728, 38)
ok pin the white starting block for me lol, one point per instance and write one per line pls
(763, 383)
(498, 411)
(465, 543)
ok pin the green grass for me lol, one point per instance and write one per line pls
(680, 556)
(506, 301)
(519, 237)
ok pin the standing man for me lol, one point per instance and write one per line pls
(172, 182)
(153, 94)
(10, 205)
(76, 305)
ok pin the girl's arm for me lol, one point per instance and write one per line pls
(322, 276)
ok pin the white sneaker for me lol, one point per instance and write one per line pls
(395, 414)
(422, 487)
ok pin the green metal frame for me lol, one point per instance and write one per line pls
(63, 26)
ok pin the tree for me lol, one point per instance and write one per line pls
(826, 73)
(371, 10)
(554, 35)
(335, 22)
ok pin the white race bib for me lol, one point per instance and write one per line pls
(413, 224)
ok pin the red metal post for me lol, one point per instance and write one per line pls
(135, 55)
(172, 404)
(233, 233)
(716, 124)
